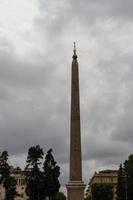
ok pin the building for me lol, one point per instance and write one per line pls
(105, 176)
(19, 176)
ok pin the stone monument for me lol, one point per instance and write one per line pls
(75, 186)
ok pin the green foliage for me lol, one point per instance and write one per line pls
(60, 196)
(6, 179)
(34, 156)
(128, 170)
(41, 183)
(121, 185)
(102, 191)
(51, 175)
(34, 176)
(88, 198)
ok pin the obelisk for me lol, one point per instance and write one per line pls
(75, 186)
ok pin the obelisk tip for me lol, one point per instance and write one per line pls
(74, 55)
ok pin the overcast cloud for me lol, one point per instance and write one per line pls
(36, 47)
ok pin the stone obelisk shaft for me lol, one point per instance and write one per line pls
(75, 140)
(75, 187)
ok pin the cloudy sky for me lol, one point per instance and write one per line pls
(36, 47)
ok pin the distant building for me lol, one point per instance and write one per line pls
(19, 176)
(105, 176)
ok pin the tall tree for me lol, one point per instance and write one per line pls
(121, 193)
(61, 196)
(6, 179)
(34, 176)
(102, 191)
(88, 198)
(128, 169)
(51, 175)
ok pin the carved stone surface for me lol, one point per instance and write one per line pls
(75, 188)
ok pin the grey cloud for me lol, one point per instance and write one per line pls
(35, 90)
(14, 72)
(29, 113)
(107, 116)
(61, 16)
(92, 10)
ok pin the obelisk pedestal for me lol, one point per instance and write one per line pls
(75, 190)
(75, 186)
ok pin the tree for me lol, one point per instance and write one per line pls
(88, 197)
(121, 185)
(6, 179)
(34, 176)
(61, 196)
(102, 191)
(128, 170)
(51, 175)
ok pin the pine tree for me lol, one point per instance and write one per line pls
(102, 191)
(6, 179)
(121, 193)
(88, 198)
(34, 176)
(51, 175)
(128, 169)
(61, 196)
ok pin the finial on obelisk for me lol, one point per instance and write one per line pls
(74, 47)
(74, 55)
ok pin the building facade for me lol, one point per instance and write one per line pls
(105, 176)
(19, 176)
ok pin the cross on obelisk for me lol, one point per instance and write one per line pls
(75, 186)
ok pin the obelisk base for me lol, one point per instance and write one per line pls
(75, 190)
